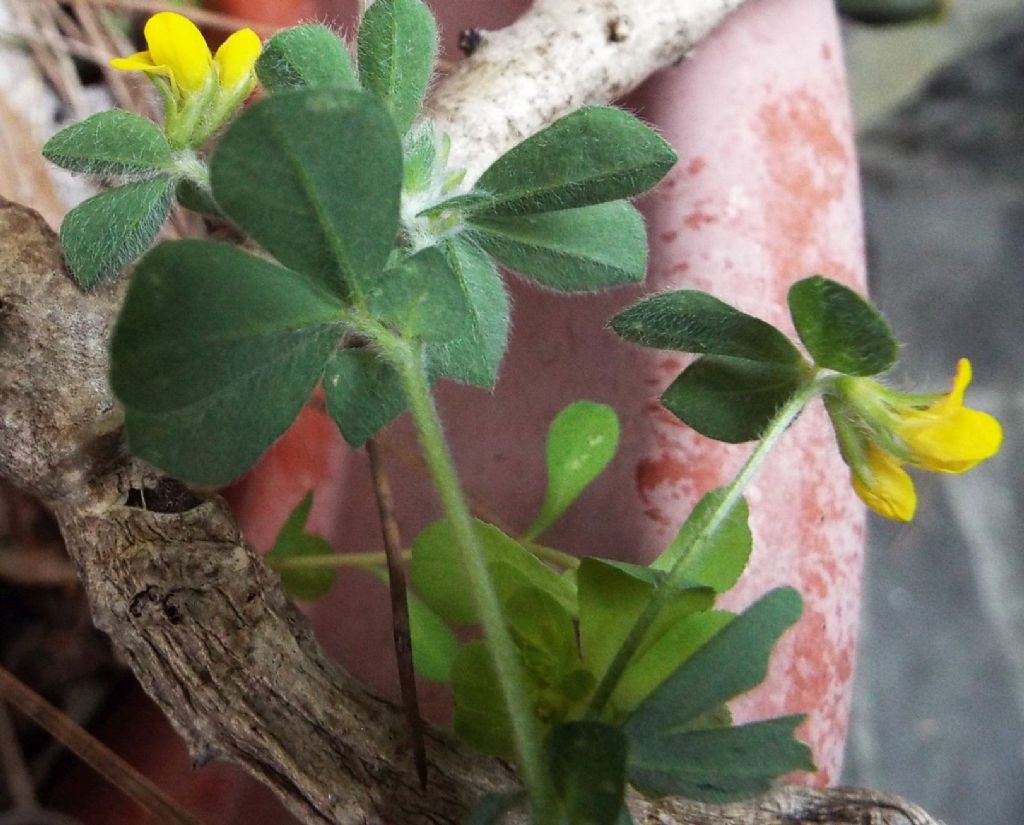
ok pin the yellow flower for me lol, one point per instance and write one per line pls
(947, 437)
(884, 486)
(236, 58)
(880, 430)
(201, 90)
(178, 51)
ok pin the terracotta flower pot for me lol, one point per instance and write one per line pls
(765, 193)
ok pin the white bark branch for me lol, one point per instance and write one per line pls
(557, 57)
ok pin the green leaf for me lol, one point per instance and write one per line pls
(421, 158)
(475, 356)
(692, 321)
(113, 228)
(581, 441)
(307, 56)
(480, 715)
(612, 595)
(594, 155)
(439, 578)
(304, 584)
(214, 354)
(734, 661)
(841, 330)
(575, 250)
(397, 49)
(543, 631)
(658, 659)
(329, 214)
(731, 399)
(722, 557)
(114, 142)
(196, 198)
(721, 764)
(587, 763)
(424, 297)
(494, 807)
(363, 394)
(434, 645)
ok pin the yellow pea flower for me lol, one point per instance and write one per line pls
(177, 51)
(879, 431)
(884, 486)
(201, 90)
(947, 437)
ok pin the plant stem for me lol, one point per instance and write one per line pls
(668, 587)
(526, 730)
(375, 559)
(399, 607)
(551, 555)
(378, 558)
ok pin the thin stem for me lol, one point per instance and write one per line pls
(93, 752)
(526, 730)
(668, 587)
(375, 559)
(399, 607)
(378, 558)
(551, 555)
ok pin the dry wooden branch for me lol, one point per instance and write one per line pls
(202, 622)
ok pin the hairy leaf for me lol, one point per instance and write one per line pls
(594, 155)
(214, 354)
(330, 214)
(363, 394)
(114, 142)
(731, 399)
(397, 49)
(113, 228)
(307, 56)
(575, 250)
(692, 321)
(840, 329)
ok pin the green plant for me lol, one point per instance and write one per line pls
(377, 277)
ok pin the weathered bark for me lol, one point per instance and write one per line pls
(203, 624)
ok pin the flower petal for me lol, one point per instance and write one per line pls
(953, 444)
(139, 62)
(236, 57)
(176, 42)
(884, 486)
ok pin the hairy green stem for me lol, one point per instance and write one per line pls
(676, 574)
(409, 361)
